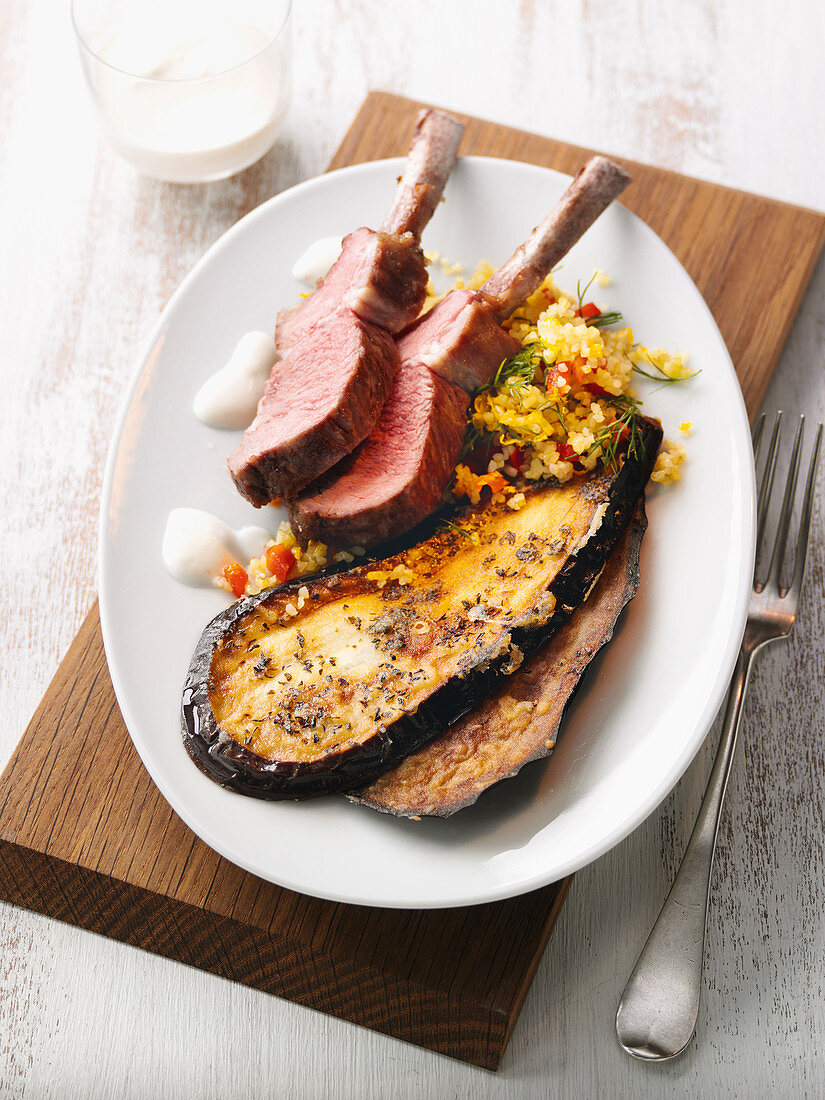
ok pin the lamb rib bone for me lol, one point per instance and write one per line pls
(430, 160)
(597, 184)
(381, 275)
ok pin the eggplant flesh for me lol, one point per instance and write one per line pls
(325, 685)
(520, 722)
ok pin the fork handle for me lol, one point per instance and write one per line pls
(659, 1007)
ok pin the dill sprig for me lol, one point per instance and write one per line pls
(611, 317)
(518, 371)
(558, 408)
(608, 317)
(513, 375)
(581, 292)
(454, 527)
(660, 376)
(476, 439)
(609, 437)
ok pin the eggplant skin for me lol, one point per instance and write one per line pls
(520, 722)
(234, 766)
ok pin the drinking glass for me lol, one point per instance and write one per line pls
(187, 90)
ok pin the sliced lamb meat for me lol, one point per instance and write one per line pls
(337, 360)
(321, 400)
(381, 275)
(463, 340)
(397, 476)
(460, 339)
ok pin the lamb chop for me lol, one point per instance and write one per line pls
(338, 357)
(399, 474)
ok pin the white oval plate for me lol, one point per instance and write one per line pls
(647, 703)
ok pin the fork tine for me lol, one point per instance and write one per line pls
(778, 555)
(757, 437)
(766, 485)
(804, 523)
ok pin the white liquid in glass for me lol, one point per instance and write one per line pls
(194, 100)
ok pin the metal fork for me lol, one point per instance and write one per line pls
(658, 1010)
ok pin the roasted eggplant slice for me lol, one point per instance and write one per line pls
(519, 723)
(324, 686)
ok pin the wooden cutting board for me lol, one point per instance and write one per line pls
(86, 837)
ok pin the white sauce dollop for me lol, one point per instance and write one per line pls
(197, 545)
(229, 398)
(317, 260)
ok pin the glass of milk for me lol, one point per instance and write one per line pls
(187, 90)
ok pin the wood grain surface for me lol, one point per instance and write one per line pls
(726, 90)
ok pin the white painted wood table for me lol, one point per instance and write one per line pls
(729, 91)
